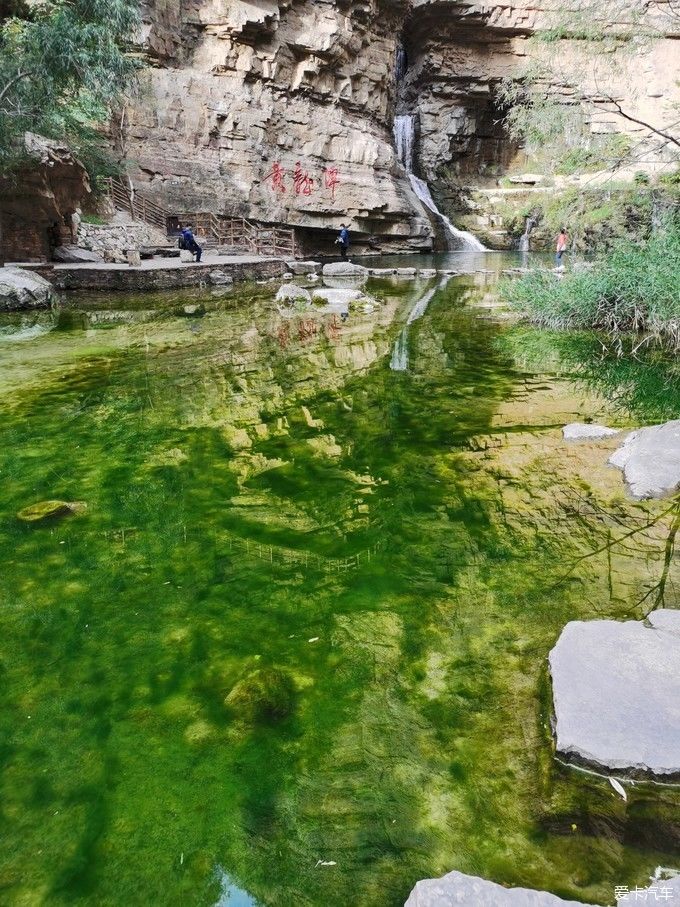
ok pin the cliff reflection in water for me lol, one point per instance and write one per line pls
(297, 642)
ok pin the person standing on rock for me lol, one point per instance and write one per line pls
(562, 242)
(190, 242)
(343, 241)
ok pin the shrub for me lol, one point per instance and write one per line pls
(634, 288)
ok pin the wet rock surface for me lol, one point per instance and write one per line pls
(616, 694)
(650, 460)
(458, 888)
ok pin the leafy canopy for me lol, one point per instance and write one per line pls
(63, 63)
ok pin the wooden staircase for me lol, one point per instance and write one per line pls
(221, 230)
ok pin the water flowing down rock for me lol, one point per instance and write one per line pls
(584, 431)
(650, 460)
(471, 891)
(616, 694)
(405, 140)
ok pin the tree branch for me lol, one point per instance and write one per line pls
(12, 82)
(627, 116)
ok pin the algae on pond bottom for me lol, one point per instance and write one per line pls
(398, 551)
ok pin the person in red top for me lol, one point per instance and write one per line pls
(562, 242)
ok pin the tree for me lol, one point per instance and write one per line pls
(63, 64)
(553, 105)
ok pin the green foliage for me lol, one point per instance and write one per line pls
(633, 289)
(62, 66)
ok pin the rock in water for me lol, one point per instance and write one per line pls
(616, 694)
(265, 695)
(344, 269)
(303, 268)
(456, 888)
(583, 431)
(20, 289)
(48, 510)
(292, 293)
(650, 460)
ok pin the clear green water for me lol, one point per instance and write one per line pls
(306, 615)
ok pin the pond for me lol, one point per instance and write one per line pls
(294, 651)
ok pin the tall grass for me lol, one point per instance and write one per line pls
(635, 288)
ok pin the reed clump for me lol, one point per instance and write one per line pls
(634, 289)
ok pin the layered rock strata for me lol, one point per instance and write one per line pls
(282, 110)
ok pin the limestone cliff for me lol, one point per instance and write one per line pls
(283, 110)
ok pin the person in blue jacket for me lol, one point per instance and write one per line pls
(343, 241)
(190, 242)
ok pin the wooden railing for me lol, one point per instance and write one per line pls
(261, 239)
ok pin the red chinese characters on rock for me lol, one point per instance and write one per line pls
(331, 180)
(278, 178)
(303, 183)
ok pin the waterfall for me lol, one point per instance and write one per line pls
(399, 361)
(524, 239)
(404, 138)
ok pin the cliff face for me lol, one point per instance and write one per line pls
(282, 110)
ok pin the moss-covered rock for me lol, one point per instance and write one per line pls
(264, 695)
(49, 510)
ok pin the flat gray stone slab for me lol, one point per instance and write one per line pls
(344, 269)
(584, 431)
(650, 460)
(471, 891)
(616, 695)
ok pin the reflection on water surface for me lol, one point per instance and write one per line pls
(301, 630)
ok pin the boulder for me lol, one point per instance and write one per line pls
(526, 179)
(584, 431)
(427, 273)
(650, 460)
(344, 269)
(292, 293)
(302, 268)
(192, 310)
(337, 298)
(263, 696)
(616, 694)
(219, 278)
(456, 888)
(407, 272)
(49, 510)
(74, 255)
(21, 289)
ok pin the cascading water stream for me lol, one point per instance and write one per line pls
(404, 138)
(524, 239)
